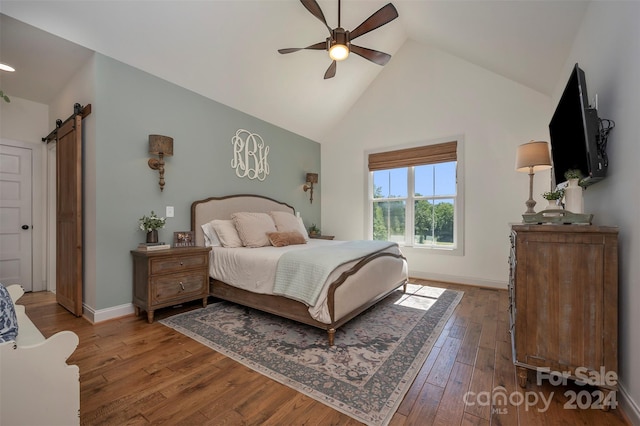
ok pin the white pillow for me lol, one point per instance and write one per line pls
(210, 236)
(253, 228)
(302, 229)
(226, 231)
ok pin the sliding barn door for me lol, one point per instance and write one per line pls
(69, 215)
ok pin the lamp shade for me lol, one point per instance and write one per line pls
(159, 144)
(312, 178)
(533, 154)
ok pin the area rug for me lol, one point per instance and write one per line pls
(376, 356)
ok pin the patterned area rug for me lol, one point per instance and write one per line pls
(365, 375)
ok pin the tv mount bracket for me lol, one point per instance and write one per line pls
(604, 127)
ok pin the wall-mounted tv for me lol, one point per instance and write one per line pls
(578, 140)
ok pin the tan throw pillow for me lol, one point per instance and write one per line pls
(227, 234)
(281, 239)
(253, 228)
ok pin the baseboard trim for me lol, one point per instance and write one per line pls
(107, 314)
(629, 407)
(454, 279)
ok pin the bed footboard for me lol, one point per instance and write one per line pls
(355, 291)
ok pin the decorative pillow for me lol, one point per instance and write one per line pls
(227, 234)
(8, 319)
(281, 239)
(285, 221)
(253, 228)
(210, 236)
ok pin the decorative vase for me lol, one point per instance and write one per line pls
(152, 236)
(553, 205)
(573, 197)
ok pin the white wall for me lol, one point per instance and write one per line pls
(424, 94)
(607, 48)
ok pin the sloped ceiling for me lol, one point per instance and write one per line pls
(226, 50)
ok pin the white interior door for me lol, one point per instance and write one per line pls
(16, 216)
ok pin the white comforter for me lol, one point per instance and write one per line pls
(254, 269)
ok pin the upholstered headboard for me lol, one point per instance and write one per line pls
(204, 211)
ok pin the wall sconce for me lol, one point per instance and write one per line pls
(161, 146)
(311, 179)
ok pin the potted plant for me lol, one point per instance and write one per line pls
(314, 230)
(573, 174)
(150, 224)
(553, 197)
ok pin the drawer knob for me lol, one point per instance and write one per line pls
(181, 264)
(181, 286)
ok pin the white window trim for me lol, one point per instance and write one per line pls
(459, 208)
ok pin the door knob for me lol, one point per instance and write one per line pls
(25, 226)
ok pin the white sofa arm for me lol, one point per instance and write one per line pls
(16, 292)
(37, 386)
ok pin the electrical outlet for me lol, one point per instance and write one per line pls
(169, 211)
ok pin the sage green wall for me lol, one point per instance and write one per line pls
(131, 104)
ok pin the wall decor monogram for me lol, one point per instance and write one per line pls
(249, 155)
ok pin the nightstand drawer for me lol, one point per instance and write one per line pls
(167, 287)
(178, 263)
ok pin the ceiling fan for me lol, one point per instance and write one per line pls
(338, 44)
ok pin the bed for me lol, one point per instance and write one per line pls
(348, 290)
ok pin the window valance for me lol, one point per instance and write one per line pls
(417, 156)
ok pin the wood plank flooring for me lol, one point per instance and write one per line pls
(136, 373)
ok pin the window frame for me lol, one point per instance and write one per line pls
(458, 211)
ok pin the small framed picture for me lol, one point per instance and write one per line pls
(183, 239)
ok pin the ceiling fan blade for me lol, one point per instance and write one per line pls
(313, 7)
(331, 71)
(383, 16)
(375, 56)
(318, 46)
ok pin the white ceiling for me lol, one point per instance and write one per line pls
(226, 50)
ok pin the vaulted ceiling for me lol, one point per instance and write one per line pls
(226, 50)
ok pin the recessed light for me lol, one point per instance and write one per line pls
(5, 67)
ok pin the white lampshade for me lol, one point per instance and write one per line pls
(533, 154)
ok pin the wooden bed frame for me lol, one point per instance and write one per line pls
(353, 292)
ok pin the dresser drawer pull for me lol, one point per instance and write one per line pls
(181, 286)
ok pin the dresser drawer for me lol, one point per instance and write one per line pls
(163, 265)
(168, 287)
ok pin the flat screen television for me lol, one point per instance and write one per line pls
(577, 141)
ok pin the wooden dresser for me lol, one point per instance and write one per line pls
(169, 277)
(563, 292)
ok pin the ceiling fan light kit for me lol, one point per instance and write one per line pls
(338, 44)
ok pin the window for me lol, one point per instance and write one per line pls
(415, 196)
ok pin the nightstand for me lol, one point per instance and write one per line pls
(322, 237)
(169, 277)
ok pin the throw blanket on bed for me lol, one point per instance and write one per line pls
(301, 274)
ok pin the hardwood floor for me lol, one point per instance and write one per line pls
(132, 372)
